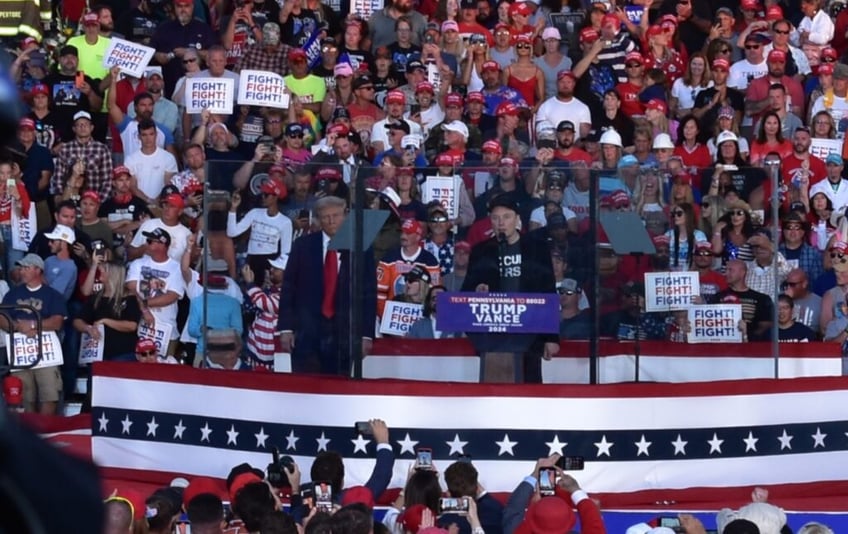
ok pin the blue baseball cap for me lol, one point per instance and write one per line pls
(627, 160)
(833, 158)
(294, 129)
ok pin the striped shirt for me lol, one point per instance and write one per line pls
(261, 336)
(613, 55)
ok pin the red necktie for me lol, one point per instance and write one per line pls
(331, 279)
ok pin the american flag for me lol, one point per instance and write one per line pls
(642, 442)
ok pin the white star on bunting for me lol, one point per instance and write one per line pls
(555, 446)
(126, 424)
(785, 440)
(261, 437)
(603, 446)
(323, 441)
(359, 444)
(643, 445)
(104, 422)
(179, 429)
(751, 442)
(206, 431)
(715, 444)
(152, 425)
(818, 438)
(506, 445)
(407, 445)
(291, 441)
(456, 445)
(232, 435)
(679, 446)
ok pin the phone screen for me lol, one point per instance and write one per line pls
(547, 481)
(424, 458)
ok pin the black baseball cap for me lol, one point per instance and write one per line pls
(503, 201)
(565, 125)
(160, 235)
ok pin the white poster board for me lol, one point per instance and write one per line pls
(214, 94)
(24, 351)
(364, 8)
(24, 229)
(821, 148)
(131, 58)
(91, 350)
(445, 189)
(482, 182)
(671, 290)
(398, 317)
(262, 88)
(160, 334)
(717, 323)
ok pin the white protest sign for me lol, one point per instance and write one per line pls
(671, 291)
(445, 189)
(821, 147)
(262, 88)
(91, 350)
(717, 323)
(25, 350)
(482, 182)
(23, 229)
(398, 317)
(131, 58)
(214, 94)
(364, 8)
(159, 334)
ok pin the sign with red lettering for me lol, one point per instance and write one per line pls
(717, 323)
(214, 94)
(131, 58)
(25, 349)
(160, 333)
(444, 189)
(671, 291)
(398, 317)
(262, 88)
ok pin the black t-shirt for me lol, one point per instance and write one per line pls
(298, 28)
(116, 342)
(745, 180)
(114, 211)
(401, 56)
(138, 26)
(66, 100)
(509, 259)
(797, 333)
(357, 58)
(708, 121)
(621, 123)
(756, 308)
(47, 129)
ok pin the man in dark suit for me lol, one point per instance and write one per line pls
(315, 300)
(511, 263)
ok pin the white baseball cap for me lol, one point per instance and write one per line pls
(551, 33)
(456, 126)
(726, 135)
(63, 233)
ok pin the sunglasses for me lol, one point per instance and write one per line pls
(367, 88)
(147, 353)
(782, 32)
(438, 219)
(677, 213)
(752, 47)
(705, 205)
(502, 32)
(704, 254)
(795, 227)
(522, 46)
(569, 292)
(187, 61)
(328, 48)
(273, 121)
(633, 65)
(738, 213)
(836, 255)
(296, 136)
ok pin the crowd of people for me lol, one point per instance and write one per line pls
(695, 116)
(547, 501)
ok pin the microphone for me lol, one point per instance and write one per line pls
(501, 238)
(501, 251)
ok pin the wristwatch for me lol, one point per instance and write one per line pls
(171, 56)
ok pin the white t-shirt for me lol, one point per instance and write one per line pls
(179, 237)
(576, 201)
(155, 279)
(149, 170)
(838, 110)
(380, 134)
(131, 140)
(555, 111)
(429, 118)
(266, 233)
(743, 71)
(686, 94)
(538, 215)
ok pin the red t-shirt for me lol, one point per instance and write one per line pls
(758, 151)
(576, 154)
(698, 158)
(630, 104)
(758, 90)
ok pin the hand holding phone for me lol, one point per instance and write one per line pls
(547, 481)
(424, 458)
(453, 505)
(79, 79)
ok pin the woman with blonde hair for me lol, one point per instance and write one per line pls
(649, 203)
(110, 312)
(823, 126)
(712, 209)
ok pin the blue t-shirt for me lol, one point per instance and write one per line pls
(61, 275)
(45, 299)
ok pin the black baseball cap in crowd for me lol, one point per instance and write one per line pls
(565, 125)
(417, 273)
(160, 235)
(503, 201)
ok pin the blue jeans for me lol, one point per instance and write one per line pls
(11, 255)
